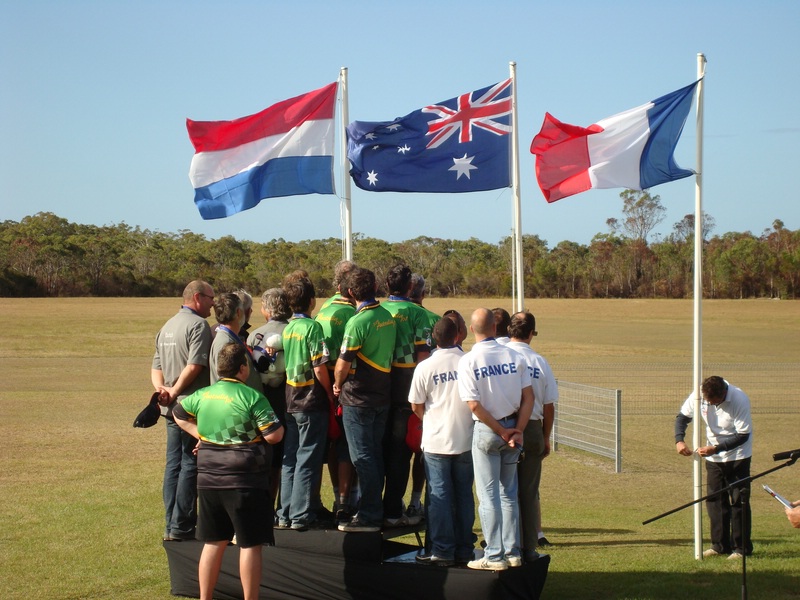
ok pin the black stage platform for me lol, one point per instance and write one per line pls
(331, 565)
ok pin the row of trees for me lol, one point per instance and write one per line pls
(45, 255)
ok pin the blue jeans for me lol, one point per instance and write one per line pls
(180, 483)
(304, 445)
(364, 427)
(495, 466)
(451, 508)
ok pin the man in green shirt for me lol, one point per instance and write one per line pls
(309, 402)
(363, 384)
(235, 425)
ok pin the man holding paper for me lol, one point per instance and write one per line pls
(729, 427)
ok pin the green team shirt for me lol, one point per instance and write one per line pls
(230, 413)
(231, 421)
(413, 331)
(433, 318)
(304, 348)
(333, 319)
(368, 344)
(328, 302)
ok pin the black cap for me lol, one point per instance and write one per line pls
(149, 416)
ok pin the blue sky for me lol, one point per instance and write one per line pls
(95, 94)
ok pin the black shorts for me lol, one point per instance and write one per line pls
(245, 512)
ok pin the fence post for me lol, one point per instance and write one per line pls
(618, 451)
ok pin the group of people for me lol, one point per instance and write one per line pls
(349, 387)
(252, 418)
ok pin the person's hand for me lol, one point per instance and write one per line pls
(164, 396)
(546, 452)
(196, 448)
(683, 449)
(706, 451)
(336, 390)
(511, 436)
(793, 514)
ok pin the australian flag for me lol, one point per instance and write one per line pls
(459, 145)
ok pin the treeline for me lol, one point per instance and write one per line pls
(45, 255)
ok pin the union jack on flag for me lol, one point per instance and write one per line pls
(459, 145)
(482, 112)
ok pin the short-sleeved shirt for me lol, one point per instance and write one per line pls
(447, 426)
(232, 419)
(433, 318)
(494, 375)
(413, 331)
(183, 340)
(368, 344)
(545, 388)
(304, 348)
(333, 317)
(723, 421)
(224, 337)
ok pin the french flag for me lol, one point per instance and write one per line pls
(284, 150)
(633, 149)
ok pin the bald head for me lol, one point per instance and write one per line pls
(482, 324)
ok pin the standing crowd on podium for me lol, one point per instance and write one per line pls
(380, 391)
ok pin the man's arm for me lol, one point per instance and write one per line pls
(340, 373)
(274, 436)
(525, 408)
(188, 425)
(681, 423)
(321, 372)
(419, 410)
(187, 376)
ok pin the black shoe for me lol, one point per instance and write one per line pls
(344, 514)
(543, 543)
(357, 525)
(434, 561)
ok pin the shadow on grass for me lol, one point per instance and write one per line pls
(654, 585)
(588, 530)
(636, 542)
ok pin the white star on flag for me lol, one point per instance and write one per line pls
(462, 166)
(372, 177)
(403, 149)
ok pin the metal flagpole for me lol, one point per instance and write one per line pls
(698, 313)
(347, 233)
(519, 293)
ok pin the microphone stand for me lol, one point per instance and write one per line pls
(744, 494)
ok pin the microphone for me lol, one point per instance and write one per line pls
(788, 454)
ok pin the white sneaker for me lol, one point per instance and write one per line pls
(514, 561)
(710, 552)
(484, 564)
(735, 555)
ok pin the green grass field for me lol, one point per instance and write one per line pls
(81, 489)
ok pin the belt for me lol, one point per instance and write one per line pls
(511, 416)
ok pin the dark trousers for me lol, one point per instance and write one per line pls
(725, 509)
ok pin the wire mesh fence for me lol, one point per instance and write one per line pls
(661, 388)
(589, 418)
